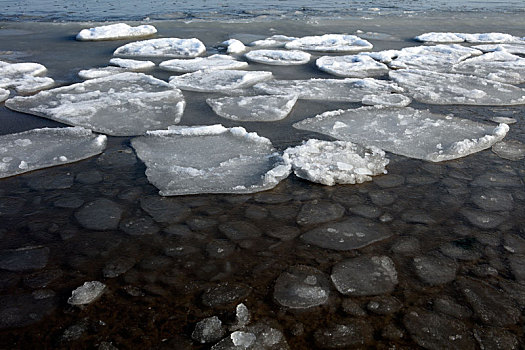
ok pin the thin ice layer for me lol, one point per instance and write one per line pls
(124, 104)
(445, 88)
(43, 148)
(214, 62)
(335, 162)
(209, 159)
(499, 66)
(264, 108)
(407, 131)
(218, 81)
(352, 66)
(329, 43)
(134, 65)
(447, 37)
(25, 78)
(164, 47)
(115, 31)
(279, 57)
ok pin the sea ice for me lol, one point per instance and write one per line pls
(42, 148)
(407, 131)
(253, 108)
(387, 100)
(384, 56)
(275, 41)
(329, 43)
(87, 293)
(214, 62)
(163, 47)
(115, 31)
(335, 162)
(209, 159)
(516, 48)
(439, 37)
(447, 88)
(353, 66)
(134, 65)
(234, 46)
(279, 57)
(511, 150)
(25, 78)
(447, 37)
(499, 66)
(102, 72)
(218, 81)
(121, 105)
(4, 94)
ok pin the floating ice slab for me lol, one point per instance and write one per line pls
(4, 94)
(407, 131)
(511, 150)
(214, 62)
(330, 43)
(510, 48)
(102, 72)
(335, 162)
(352, 66)
(218, 81)
(447, 37)
(446, 88)
(124, 104)
(87, 293)
(279, 57)
(164, 47)
(499, 66)
(440, 37)
(234, 46)
(25, 78)
(42, 148)
(387, 100)
(209, 159)
(134, 65)
(115, 31)
(275, 41)
(253, 108)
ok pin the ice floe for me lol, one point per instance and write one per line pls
(25, 77)
(4, 94)
(87, 293)
(279, 57)
(407, 131)
(510, 48)
(115, 31)
(440, 37)
(388, 100)
(352, 66)
(499, 66)
(101, 72)
(163, 47)
(384, 56)
(209, 159)
(134, 65)
(253, 108)
(335, 162)
(511, 150)
(233, 46)
(214, 62)
(124, 104)
(330, 43)
(275, 41)
(42, 148)
(447, 37)
(219, 81)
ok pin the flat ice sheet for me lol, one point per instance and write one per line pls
(214, 62)
(407, 131)
(329, 43)
(218, 81)
(275, 41)
(209, 159)
(352, 66)
(447, 37)
(43, 148)
(24, 77)
(134, 65)
(387, 100)
(115, 31)
(124, 104)
(101, 72)
(499, 66)
(263, 108)
(279, 57)
(163, 47)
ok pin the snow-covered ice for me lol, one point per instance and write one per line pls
(275, 41)
(335, 162)
(124, 104)
(253, 108)
(87, 293)
(101, 72)
(233, 46)
(407, 131)
(25, 77)
(4, 94)
(516, 48)
(163, 47)
(134, 65)
(329, 43)
(388, 100)
(447, 37)
(352, 66)
(115, 31)
(440, 37)
(500, 66)
(279, 57)
(42, 148)
(218, 81)
(384, 56)
(214, 62)
(209, 159)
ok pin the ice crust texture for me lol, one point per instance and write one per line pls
(279, 57)
(329, 43)
(25, 78)
(214, 62)
(163, 47)
(115, 31)
(253, 108)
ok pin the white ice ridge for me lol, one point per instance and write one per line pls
(100, 72)
(447, 37)
(43, 148)
(115, 31)
(134, 65)
(445, 88)
(263, 108)
(234, 46)
(342, 90)
(209, 159)
(335, 162)
(329, 43)
(4, 94)
(124, 104)
(218, 81)
(164, 47)
(387, 100)
(352, 66)
(499, 66)
(25, 78)
(510, 48)
(407, 131)
(214, 62)
(279, 57)
(275, 41)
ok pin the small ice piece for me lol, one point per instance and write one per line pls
(134, 65)
(263, 108)
(242, 317)
(352, 66)
(218, 81)
(440, 37)
(25, 78)
(234, 46)
(275, 41)
(4, 94)
(258, 336)
(164, 47)
(124, 104)
(214, 62)
(87, 293)
(42, 148)
(279, 57)
(447, 37)
(511, 150)
(243, 339)
(335, 162)
(499, 66)
(209, 159)
(329, 43)
(384, 56)
(406, 131)
(115, 31)
(517, 48)
(102, 72)
(208, 330)
(387, 100)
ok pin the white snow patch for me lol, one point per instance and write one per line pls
(330, 43)
(115, 31)
(279, 57)
(214, 62)
(218, 81)
(164, 47)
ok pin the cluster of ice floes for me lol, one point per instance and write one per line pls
(124, 104)
(447, 37)
(25, 78)
(279, 57)
(408, 132)
(263, 108)
(219, 81)
(164, 47)
(115, 31)
(353, 66)
(329, 43)
(213, 62)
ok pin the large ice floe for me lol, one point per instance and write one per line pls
(214, 62)
(279, 57)
(42, 148)
(25, 77)
(134, 65)
(124, 104)
(499, 66)
(329, 43)
(407, 131)
(209, 159)
(163, 47)
(447, 37)
(264, 108)
(353, 66)
(448, 88)
(115, 31)
(275, 41)
(219, 81)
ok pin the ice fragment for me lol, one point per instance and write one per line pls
(87, 293)
(329, 43)
(115, 31)
(164, 47)
(253, 108)
(214, 62)
(353, 66)
(279, 57)
(218, 81)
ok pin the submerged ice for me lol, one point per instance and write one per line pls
(253, 108)
(115, 31)
(163, 47)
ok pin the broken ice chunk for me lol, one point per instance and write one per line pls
(24, 77)
(134, 65)
(124, 104)
(115, 31)
(214, 62)
(275, 41)
(406, 131)
(234, 46)
(164, 47)
(329, 43)
(87, 293)
(279, 57)
(102, 72)
(387, 100)
(444, 37)
(499, 66)
(253, 108)
(4, 94)
(209, 159)
(42, 148)
(517, 48)
(218, 81)
(353, 66)
(384, 56)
